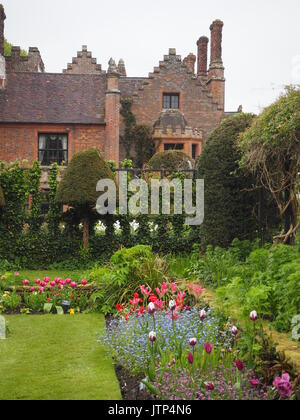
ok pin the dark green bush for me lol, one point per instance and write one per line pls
(172, 161)
(231, 202)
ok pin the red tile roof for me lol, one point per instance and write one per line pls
(58, 98)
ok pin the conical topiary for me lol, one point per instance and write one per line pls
(78, 186)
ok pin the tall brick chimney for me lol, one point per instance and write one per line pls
(112, 113)
(2, 19)
(202, 56)
(216, 81)
(189, 62)
(216, 42)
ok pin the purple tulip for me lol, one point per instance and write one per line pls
(208, 348)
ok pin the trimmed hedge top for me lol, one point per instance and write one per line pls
(171, 161)
(78, 186)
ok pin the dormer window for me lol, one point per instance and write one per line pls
(171, 101)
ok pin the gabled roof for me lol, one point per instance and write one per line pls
(53, 98)
(58, 98)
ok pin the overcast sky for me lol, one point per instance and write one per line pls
(261, 43)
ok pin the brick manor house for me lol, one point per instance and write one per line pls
(50, 117)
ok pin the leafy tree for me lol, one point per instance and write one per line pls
(271, 150)
(78, 186)
(8, 47)
(229, 201)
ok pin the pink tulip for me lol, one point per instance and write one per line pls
(208, 348)
(60, 287)
(46, 280)
(283, 386)
(52, 284)
(37, 281)
(73, 285)
(84, 282)
(32, 289)
(43, 284)
(17, 274)
(254, 382)
(26, 282)
(146, 291)
(68, 281)
(174, 287)
(41, 290)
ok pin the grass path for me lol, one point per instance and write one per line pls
(56, 357)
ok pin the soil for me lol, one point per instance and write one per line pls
(129, 384)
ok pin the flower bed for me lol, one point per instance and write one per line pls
(185, 352)
(46, 295)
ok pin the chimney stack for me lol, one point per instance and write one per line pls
(2, 19)
(189, 62)
(216, 42)
(216, 81)
(122, 68)
(112, 113)
(202, 56)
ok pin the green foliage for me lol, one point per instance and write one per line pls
(229, 203)
(136, 138)
(78, 186)
(8, 47)
(2, 199)
(35, 217)
(172, 161)
(267, 280)
(271, 150)
(129, 269)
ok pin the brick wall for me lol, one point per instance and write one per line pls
(84, 63)
(20, 141)
(197, 103)
(32, 63)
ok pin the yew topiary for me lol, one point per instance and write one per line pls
(229, 201)
(172, 161)
(78, 186)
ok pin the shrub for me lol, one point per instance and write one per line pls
(230, 198)
(78, 186)
(2, 199)
(128, 269)
(172, 161)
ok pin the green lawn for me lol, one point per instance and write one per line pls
(56, 357)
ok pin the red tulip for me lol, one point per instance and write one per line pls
(240, 365)
(26, 283)
(209, 386)
(84, 282)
